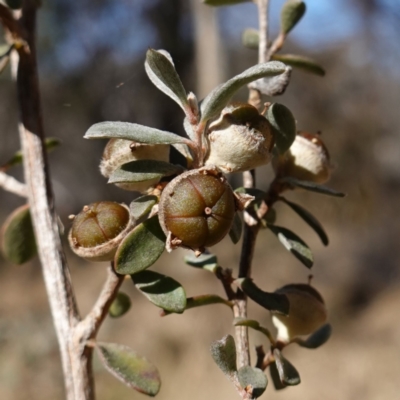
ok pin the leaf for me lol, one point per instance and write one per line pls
(161, 290)
(310, 219)
(311, 186)
(253, 380)
(283, 126)
(142, 206)
(141, 248)
(224, 2)
(273, 371)
(161, 71)
(236, 230)
(271, 301)
(291, 14)
(17, 237)
(215, 101)
(251, 323)
(287, 372)
(273, 86)
(224, 354)
(301, 62)
(14, 4)
(317, 339)
(135, 132)
(130, 368)
(143, 170)
(120, 305)
(294, 244)
(250, 38)
(49, 144)
(204, 260)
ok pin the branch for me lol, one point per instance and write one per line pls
(12, 185)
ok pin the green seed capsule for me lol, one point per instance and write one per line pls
(196, 209)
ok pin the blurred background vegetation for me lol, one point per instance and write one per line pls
(91, 56)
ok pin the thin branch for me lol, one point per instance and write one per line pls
(263, 8)
(12, 185)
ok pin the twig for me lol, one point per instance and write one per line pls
(10, 184)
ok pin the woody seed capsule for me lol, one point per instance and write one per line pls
(196, 209)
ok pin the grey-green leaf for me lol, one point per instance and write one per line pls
(251, 323)
(291, 14)
(309, 219)
(253, 380)
(135, 132)
(236, 230)
(224, 2)
(301, 62)
(141, 248)
(143, 170)
(273, 86)
(317, 339)
(215, 101)
(17, 237)
(142, 206)
(271, 301)
(224, 354)
(250, 38)
(120, 305)
(161, 290)
(283, 126)
(294, 244)
(130, 368)
(276, 380)
(311, 186)
(162, 73)
(205, 260)
(287, 372)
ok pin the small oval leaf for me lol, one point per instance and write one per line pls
(311, 186)
(253, 380)
(162, 73)
(161, 290)
(143, 170)
(202, 261)
(287, 372)
(17, 237)
(276, 380)
(294, 244)
(130, 368)
(120, 305)
(309, 219)
(283, 126)
(271, 301)
(250, 38)
(142, 206)
(224, 354)
(236, 230)
(251, 323)
(291, 14)
(273, 86)
(135, 132)
(301, 62)
(317, 339)
(215, 101)
(141, 248)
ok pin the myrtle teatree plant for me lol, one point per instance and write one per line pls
(189, 205)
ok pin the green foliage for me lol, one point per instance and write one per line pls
(161, 290)
(141, 207)
(317, 339)
(305, 63)
(294, 244)
(236, 231)
(141, 248)
(17, 237)
(224, 354)
(161, 71)
(251, 323)
(288, 374)
(271, 301)
(253, 379)
(143, 170)
(311, 186)
(283, 125)
(130, 368)
(120, 305)
(205, 261)
(291, 14)
(250, 38)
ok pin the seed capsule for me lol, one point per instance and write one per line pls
(98, 229)
(307, 160)
(307, 312)
(196, 210)
(120, 151)
(240, 139)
